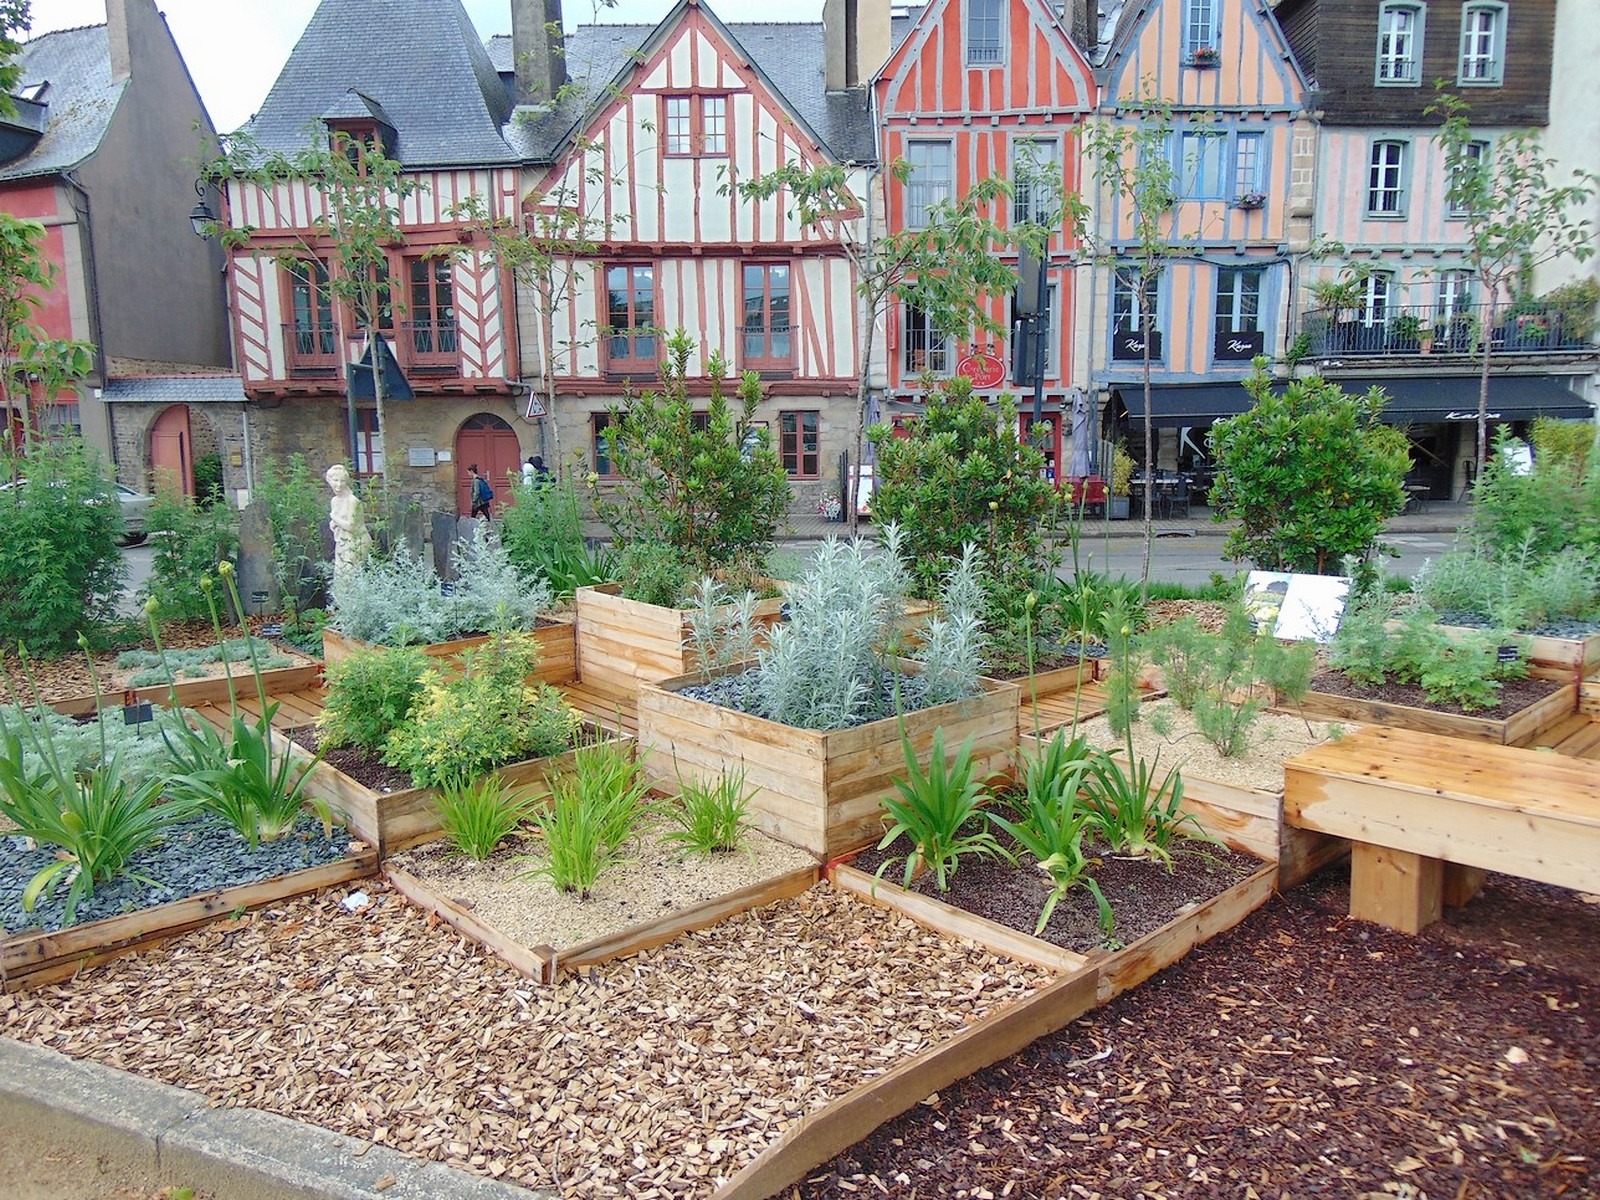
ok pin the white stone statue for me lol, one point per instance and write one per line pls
(350, 541)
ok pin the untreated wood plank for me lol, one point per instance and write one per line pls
(536, 962)
(1395, 888)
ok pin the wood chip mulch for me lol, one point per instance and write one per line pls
(656, 1076)
(1303, 1054)
(1208, 614)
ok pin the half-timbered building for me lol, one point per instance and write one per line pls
(1218, 77)
(973, 90)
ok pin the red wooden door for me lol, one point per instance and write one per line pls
(171, 451)
(490, 442)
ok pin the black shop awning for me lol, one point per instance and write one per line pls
(1174, 405)
(1429, 399)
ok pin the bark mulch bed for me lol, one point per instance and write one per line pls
(1515, 695)
(1301, 1054)
(656, 1075)
(366, 768)
(1143, 895)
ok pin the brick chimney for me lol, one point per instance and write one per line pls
(1082, 21)
(536, 50)
(855, 34)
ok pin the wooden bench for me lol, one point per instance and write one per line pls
(1428, 816)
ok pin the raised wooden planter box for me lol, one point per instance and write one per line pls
(556, 637)
(1515, 730)
(819, 790)
(395, 821)
(546, 964)
(1086, 983)
(33, 959)
(192, 693)
(1580, 656)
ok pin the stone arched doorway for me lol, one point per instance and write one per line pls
(490, 442)
(172, 450)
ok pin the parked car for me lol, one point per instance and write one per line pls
(135, 508)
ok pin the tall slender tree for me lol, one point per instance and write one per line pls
(1517, 215)
(30, 359)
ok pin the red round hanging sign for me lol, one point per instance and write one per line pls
(984, 369)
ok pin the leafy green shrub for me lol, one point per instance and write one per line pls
(369, 695)
(488, 595)
(1514, 589)
(60, 570)
(1547, 509)
(700, 476)
(965, 477)
(188, 541)
(1310, 474)
(543, 536)
(594, 810)
(653, 573)
(939, 811)
(1461, 668)
(476, 817)
(296, 505)
(709, 815)
(464, 725)
(722, 627)
(208, 479)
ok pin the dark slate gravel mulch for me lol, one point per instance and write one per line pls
(197, 855)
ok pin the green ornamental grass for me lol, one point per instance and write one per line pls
(936, 812)
(477, 817)
(709, 816)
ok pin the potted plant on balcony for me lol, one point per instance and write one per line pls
(1405, 333)
(1340, 299)
(1250, 200)
(1203, 56)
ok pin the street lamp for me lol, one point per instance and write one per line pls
(201, 218)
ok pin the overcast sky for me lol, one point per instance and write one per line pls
(235, 48)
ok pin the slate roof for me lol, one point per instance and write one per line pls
(420, 62)
(174, 389)
(790, 57)
(82, 98)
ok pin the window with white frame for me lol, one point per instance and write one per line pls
(1239, 299)
(1483, 43)
(1455, 295)
(986, 31)
(1199, 168)
(1199, 26)
(931, 180)
(1400, 43)
(1376, 291)
(927, 347)
(1249, 177)
(1463, 177)
(1036, 181)
(1126, 283)
(1386, 190)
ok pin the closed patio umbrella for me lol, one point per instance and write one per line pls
(1079, 464)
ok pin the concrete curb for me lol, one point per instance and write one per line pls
(170, 1135)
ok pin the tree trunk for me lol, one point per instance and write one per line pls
(1149, 451)
(852, 508)
(1483, 377)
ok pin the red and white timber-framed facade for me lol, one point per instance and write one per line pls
(977, 89)
(451, 327)
(652, 167)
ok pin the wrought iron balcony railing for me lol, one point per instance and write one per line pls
(429, 343)
(312, 347)
(1416, 329)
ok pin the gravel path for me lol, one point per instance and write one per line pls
(194, 856)
(656, 882)
(655, 1076)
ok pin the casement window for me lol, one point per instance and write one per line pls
(1455, 295)
(797, 443)
(311, 330)
(369, 459)
(1463, 179)
(1238, 300)
(1249, 174)
(1052, 337)
(931, 182)
(768, 341)
(1376, 297)
(1400, 44)
(1386, 180)
(630, 339)
(696, 126)
(927, 347)
(1126, 282)
(1200, 166)
(1200, 29)
(600, 444)
(432, 313)
(1483, 43)
(1036, 181)
(986, 32)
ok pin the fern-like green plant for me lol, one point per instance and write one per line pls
(939, 811)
